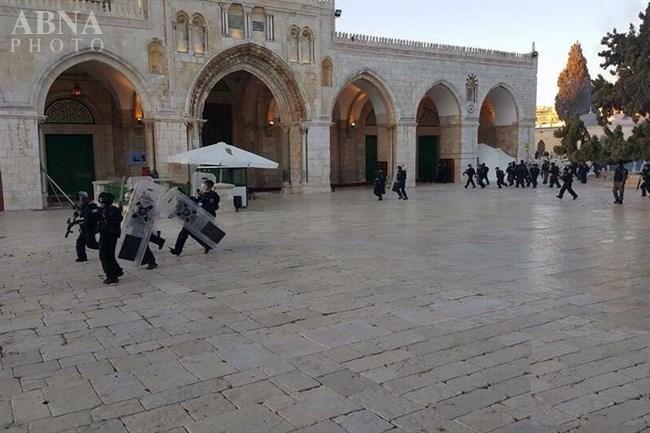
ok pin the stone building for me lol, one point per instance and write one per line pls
(138, 80)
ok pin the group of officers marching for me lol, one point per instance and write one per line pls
(105, 219)
(528, 175)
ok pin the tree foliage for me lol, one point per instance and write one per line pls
(572, 135)
(627, 57)
(574, 86)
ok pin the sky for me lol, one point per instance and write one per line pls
(507, 25)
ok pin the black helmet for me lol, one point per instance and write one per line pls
(83, 197)
(106, 198)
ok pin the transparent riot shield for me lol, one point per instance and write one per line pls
(139, 220)
(178, 207)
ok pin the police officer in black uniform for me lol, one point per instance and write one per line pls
(110, 221)
(500, 177)
(567, 179)
(88, 214)
(470, 173)
(510, 170)
(521, 174)
(209, 201)
(555, 175)
(401, 183)
(534, 175)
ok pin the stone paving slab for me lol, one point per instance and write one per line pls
(457, 311)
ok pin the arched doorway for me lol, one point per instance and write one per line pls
(438, 135)
(499, 121)
(93, 127)
(249, 95)
(361, 136)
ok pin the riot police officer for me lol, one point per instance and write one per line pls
(209, 201)
(567, 179)
(500, 177)
(470, 173)
(110, 221)
(88, 215)
(534, 175)
(554, 171)
(645, 180)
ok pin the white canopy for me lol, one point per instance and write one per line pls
(222, 155)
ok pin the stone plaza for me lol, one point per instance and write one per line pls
(457, 311)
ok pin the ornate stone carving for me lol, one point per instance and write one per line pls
(68, 111)
(252, 58)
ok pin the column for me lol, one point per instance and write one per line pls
(224, 19)
(317, 156)
(469, 147)
(526, 139)
(20, 161)
(405, 148)
(171, 138)
(248, 31)
(296, 170)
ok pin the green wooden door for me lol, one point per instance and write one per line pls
(371, 157)
(427, 158)
(70, 162)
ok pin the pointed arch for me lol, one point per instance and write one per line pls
(182, 32)
(260, 62)
(199, 37)
(379, 92)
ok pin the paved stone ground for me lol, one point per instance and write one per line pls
(457, 311)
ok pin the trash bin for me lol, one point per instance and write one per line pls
(237, 201)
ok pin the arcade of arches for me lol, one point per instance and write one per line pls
(96, 124)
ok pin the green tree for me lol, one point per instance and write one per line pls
(640, 141)
(590, 150)
(574, 86)
(616, 148)
(572, 133)
(627, 57)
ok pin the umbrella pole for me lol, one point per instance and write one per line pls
(221, 175)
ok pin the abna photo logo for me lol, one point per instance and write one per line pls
(56, 31)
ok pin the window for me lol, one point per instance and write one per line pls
(307, 46)
(293, 44)
(236, 21)
(326, 72)
(157, 58)
(68, 111)
(199, 35)
(258, 24)
(182, 35)
(471, 88)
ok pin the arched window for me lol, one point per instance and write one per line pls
(258, 24)
(68, 111)
(157, 58)
(293, 43)
(307, 46)
(199, 35)
(181, 33)
(371, 119)
(327, 72)
(236, 21)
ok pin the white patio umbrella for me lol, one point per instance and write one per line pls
(222, 155)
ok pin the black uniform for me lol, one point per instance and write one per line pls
(470, 173)
(534, 175)
(380, 184)
(521, 174)
(567, 179)
(109, 233)
(89, 213)
(555, 175)
(483, 175)
(583, 171)
(401, 184)
(209, 201)
(545, 171)
(500, 177)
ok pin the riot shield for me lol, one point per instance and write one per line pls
(177, 206)
(139, 221)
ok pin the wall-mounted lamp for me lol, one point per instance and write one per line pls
(76, 90)
(338, 13)
(271, 123)
(353, 124)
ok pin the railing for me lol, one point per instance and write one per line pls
(117, 8)
(427, 47)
